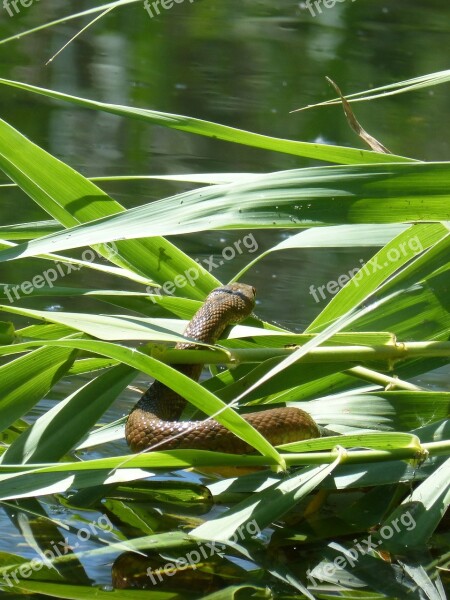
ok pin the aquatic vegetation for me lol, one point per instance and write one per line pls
(342, 514)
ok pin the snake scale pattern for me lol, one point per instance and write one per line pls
(154, 423)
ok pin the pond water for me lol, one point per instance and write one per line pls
(241, 63)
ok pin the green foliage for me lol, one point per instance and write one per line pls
(389, 322)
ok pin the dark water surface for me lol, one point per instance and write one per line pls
(241, 63)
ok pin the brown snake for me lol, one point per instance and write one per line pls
(154, 419)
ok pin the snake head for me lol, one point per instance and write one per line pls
(239, 298)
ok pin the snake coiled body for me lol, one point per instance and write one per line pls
(153, 422)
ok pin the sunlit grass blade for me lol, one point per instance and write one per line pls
(405, 247)
(434, 590)
(107, 433)
(110, 327)
(117, 327)
(69, 17)
(431, 264)
(357, 568)
(338, 236)
(424, 302)
(400, 87)
(341, 323)
(266, 507)
(28, 480)
(293, 199)
(206, 178)
(366, 440)
(343, 477)
(381, 410)
(55, 270)
(90, 365)
(66, 591)
(60, 428)
(422, 511)
(325, 152)
(7, 333)
(28, 231)
(72, 199)
(233, 591)
(43, 331)
(25, 380)
(81, 31)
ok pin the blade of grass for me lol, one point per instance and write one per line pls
(264, 508)
(25, 380)
(415, 240)
(420, 513)
(400, 87)
(69, 17)
(72, 199)
(294, 199)
(60, 428)
(325, 152)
